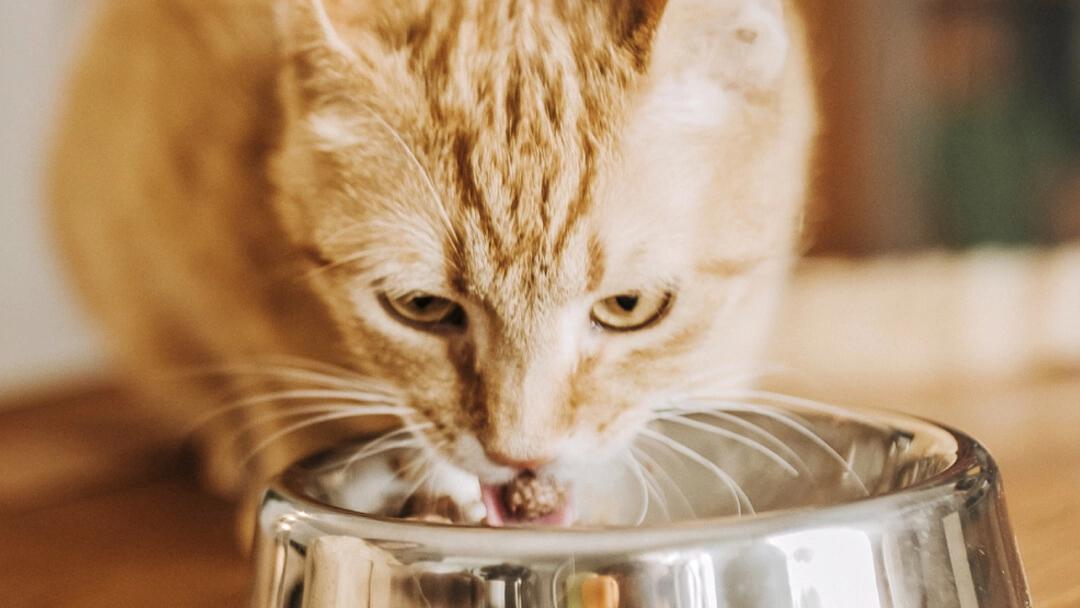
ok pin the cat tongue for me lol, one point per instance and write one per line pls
(527, 501)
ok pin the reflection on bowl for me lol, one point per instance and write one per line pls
(873, 511)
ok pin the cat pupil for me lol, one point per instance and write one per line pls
(422, 303)
(627, 303)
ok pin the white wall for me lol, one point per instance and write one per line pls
(42, 334)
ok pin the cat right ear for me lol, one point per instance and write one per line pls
(741, 45)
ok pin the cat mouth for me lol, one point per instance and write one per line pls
(528, 500)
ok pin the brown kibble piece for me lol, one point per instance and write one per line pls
(421, 507)
(600, 592)
(530, 497)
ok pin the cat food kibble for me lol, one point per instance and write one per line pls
(530, 497)
(440, 510)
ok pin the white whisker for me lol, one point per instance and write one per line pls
(410, 429)
(775, 441)
(648, 460)
(355, 398)
(722, 432)
(290, 412)
(773, 413)
(371, 411)
(269, 365)
(424, 175)
(330, 370)
(736, 491)
(635, 468)
(426, 458)
(383, 448)
(799, 402)
(657, 491)
(354, 258)
(359, 397)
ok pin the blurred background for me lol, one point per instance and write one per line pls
(948, 124)
(42, 335)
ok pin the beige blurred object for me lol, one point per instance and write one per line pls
(600, 592)
(932, 317)
(346, 572)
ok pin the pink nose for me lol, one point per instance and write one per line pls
(529, 464)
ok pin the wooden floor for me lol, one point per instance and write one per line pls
(97, 509)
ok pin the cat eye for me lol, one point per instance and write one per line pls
(426, 311)
(631, 311)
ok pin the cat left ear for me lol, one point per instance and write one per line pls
(307, 26)
(316, 54)
(639, 21)
(740, 44)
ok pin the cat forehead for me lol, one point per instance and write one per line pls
(515, 108)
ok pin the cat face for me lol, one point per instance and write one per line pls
(540, 220)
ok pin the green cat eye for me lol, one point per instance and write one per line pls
(631, 311)
(426, 311)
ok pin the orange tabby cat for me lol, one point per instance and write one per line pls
(519, 225)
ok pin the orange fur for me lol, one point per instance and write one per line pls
(235, 179)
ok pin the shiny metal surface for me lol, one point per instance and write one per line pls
(931, 531)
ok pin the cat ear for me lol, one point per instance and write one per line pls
(638, 20)
(306, 25)
(739, 44)
(316, 55)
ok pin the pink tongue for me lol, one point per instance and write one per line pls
(498, 517)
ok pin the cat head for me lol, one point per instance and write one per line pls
(539, 219)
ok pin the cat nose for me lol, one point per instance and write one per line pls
(530, 464)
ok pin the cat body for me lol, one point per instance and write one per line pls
(529, 223)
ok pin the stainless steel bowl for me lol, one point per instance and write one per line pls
(929, 531)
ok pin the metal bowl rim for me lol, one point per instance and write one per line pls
(972, 463)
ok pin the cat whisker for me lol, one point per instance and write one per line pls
(425, 458)
(298, 378)
(644, 461)
(313, 365)
(657, 491)
(362, 412)
(411, 429)
(798, 402)
(295, 374)
(415, 160)
(648, 460)
(789, 454)
(758, 447)
(636, 468)
(335, 238)
(355, 398)
(383, 448)
(737, 492)
(270, 364)
(354, 258)
(290, 412)
(298, 394)
(782, 418)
